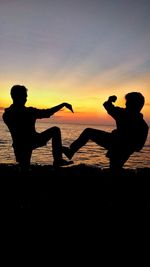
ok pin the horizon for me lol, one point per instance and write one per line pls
(56, 120)
(79, 52)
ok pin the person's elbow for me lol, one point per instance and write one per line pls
(105, 105)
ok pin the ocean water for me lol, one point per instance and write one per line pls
(90, 154)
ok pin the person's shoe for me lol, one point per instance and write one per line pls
(67, 152)
(62, 162)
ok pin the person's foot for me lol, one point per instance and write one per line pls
(62, 162)
(67, 152)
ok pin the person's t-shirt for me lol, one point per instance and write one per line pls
(21, 123)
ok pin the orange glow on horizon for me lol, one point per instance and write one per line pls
(87, 100)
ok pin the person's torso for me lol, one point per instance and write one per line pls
(131, 129)
(21, 123)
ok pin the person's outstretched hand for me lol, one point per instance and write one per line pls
(68, 106)
(112, 98)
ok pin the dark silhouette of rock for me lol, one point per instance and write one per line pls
(76, 188)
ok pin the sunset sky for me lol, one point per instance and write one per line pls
(75, 51)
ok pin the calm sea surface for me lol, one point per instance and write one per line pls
(90, 154)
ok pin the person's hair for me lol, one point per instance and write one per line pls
(135, 100)
(17, 91)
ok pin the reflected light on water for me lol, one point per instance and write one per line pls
(90, 154)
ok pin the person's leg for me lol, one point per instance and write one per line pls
(118, 159)
(53, 133)
(101, 138)
(23, 156)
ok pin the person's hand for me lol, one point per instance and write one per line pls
(68, 106)
(112, 98)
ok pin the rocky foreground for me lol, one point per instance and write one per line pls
(75, 188)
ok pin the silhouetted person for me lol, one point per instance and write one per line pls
(21, 123)
(129, 136)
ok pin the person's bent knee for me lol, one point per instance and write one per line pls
(56, 129)
(87, 131)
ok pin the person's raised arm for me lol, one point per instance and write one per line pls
(111, 109)
(108, 104)
(46, 113)
(60, 106)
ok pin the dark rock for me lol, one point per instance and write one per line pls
(76, 188)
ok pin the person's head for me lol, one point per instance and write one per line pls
(134, 101)
(19, 94)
